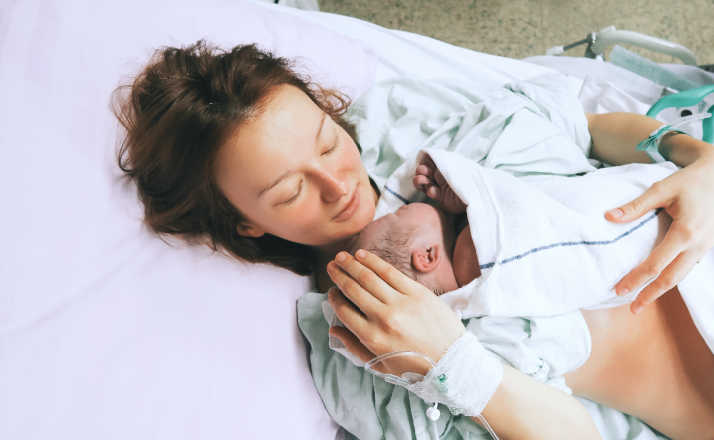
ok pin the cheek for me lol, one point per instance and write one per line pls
(350, 157)
(304, 223)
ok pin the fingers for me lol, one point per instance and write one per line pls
(354, 346)
(674, 242)
(400, 283)
(346, 311)
(670, 277)
(360, 283)
(656, 196)
(351, 287)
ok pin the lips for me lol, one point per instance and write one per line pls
(348, 211)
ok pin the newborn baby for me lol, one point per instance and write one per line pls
(535, 246)
(430, 245)
(424, 243)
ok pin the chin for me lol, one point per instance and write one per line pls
(364, 217)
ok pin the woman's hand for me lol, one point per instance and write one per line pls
(387, 311)
(688, 197)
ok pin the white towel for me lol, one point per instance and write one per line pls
(543, 243)
(545, 247)
(546, 251)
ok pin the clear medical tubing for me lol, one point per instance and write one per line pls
(432, 412)
(690, 98)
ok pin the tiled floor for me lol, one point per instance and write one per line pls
(520, 28)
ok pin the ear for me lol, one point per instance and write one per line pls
(249, 229)
(426, 258)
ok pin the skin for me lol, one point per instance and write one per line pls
(431, 242)
(617, 372)
(320, 167)
(685, 195)
(444, 263)
(386, 310)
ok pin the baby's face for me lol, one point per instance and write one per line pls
(424, 220)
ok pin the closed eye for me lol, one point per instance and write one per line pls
(294, 197)
(335, 143)
(333, 148)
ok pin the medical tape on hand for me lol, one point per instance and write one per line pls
(464, 379)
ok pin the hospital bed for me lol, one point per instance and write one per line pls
(107, 331)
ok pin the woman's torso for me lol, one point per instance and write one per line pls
(654, 365)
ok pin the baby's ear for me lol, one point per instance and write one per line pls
(426, 258)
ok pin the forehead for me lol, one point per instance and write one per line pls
(269, 143)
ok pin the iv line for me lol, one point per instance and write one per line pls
(432, 413)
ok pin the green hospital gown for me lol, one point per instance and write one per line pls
(526, 128)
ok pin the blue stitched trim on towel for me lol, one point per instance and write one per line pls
(405, 201)
(573, 243)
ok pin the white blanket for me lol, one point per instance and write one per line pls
(545, 248)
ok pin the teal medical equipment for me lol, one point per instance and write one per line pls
(688, 103)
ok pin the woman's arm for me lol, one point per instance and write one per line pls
(387, 311)
(687, 196)
(615, 135)
(523, 408)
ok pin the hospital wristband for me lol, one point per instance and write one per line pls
(464, 379)
(650, 145)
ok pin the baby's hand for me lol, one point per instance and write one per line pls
(431, 182)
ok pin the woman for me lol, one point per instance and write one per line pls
(236, 148)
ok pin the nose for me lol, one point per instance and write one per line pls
(331, 187)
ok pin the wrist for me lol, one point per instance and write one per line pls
(464, 379)
(684, 150)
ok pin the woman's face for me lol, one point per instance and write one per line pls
(296, 174)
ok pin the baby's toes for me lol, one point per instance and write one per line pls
(424, 170)
(421, 182)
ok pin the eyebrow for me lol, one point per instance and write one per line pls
(285, 174)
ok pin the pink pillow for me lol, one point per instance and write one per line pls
(105, 331)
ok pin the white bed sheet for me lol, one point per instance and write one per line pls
(105, 330)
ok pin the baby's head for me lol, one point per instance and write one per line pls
(418, 240)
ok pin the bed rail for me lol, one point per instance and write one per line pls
(597, 42)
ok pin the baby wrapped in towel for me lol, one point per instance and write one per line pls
(540, 245)
(517, 259)
(544, 246)
(434, 246)
(526, 247)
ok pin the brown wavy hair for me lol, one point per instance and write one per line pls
(177, 113)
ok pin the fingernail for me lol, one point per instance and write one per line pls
(616, 213)
(341, 257)
(361, 253)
